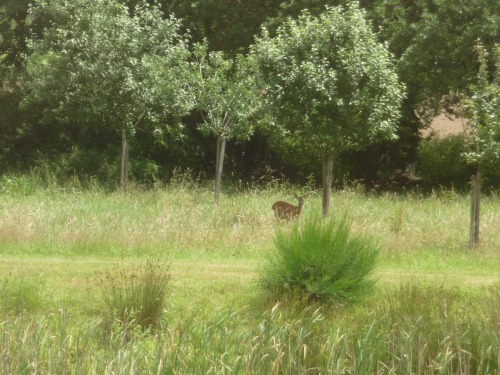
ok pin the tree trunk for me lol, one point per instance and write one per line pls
(474, 209)
(221, 146)
(124, 163)
(327, 183)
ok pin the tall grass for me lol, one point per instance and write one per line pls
(184, 222)
(53, 239)
(320, 260)
(135, 295)
(22, 294)
(426, 338)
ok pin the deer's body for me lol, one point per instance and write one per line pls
(287, 211)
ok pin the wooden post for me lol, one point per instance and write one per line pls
(474, 210)
(124, 163)
(221, 149)
(327, 183)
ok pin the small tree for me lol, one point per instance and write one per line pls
(483, 111)
(225, 100)
(329, 83)
(94, 66)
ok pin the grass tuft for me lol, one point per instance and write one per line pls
(320, 260)
(134, 295)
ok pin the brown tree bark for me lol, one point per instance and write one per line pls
(474, 210)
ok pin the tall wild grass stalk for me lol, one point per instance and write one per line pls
(184, 222)
(21, 294)
(202, 327)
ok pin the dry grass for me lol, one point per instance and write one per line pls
(185, 222)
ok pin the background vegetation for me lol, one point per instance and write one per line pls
(433, 43)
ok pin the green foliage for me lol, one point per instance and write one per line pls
(483, 111)
(408, 329)
(227, 25)
(97, 66)
(441, 162)
(19, 184)
(225, 99)
(443, 320)
(222, 94)
(21, 294)
(439, 318)
(434, 42)
(328, 80)
(321, 261)
(134, 296)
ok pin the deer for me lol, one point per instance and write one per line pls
(286, 211)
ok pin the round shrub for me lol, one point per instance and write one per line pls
(320, 260)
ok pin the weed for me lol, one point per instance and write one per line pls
(137, 295)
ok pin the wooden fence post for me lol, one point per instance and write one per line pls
(474, 210)
(124, 163)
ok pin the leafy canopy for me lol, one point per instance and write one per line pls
(96, 64)
(483, 112)
(222, 93)
(434, 43)
(328, 80)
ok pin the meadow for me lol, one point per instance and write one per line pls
(435, 308)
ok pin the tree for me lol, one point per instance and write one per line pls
(434, 43)
(483, 111)
(225, 99)
(14, 27)
(329, 83)
(95, 66)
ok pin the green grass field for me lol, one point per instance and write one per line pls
(435, 308)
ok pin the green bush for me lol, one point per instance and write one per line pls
(134, 295)
(440, 162)
(320, 260)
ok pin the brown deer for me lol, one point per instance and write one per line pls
(287, 211)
